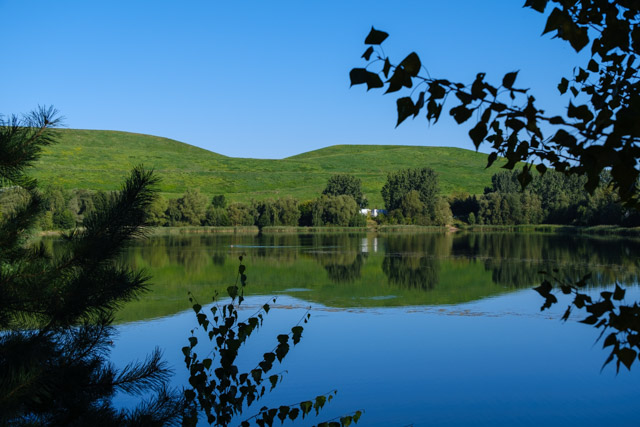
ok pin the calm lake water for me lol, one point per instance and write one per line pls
(427, 329)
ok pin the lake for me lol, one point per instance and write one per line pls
(414, 329)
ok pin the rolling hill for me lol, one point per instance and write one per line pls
(99, 160)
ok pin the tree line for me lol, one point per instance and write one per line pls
(411, 196)
(551, 198)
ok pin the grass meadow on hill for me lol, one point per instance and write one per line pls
(98, 160)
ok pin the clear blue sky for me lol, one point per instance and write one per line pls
(256, 78)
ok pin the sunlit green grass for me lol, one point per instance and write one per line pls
(99, 160)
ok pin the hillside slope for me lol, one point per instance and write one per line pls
(99, 160)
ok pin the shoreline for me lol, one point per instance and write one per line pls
(600, 230)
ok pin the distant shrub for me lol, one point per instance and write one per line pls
(216, 217)
(219, 201)
(334, 210)
(306, 213)
(240, 214)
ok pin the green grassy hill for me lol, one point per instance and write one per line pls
(99, 160)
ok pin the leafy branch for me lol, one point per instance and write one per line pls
(217, 387)
(599, 130)
(608, 313)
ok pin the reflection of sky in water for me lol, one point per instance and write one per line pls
(496, 361)
(416, 329)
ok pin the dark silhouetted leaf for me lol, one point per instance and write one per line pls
(610, 340)
(509, 79)
(232, 291)
(273, 379)
(281, 350)
(305, 407)
(320, 401)
(563, 85)
(374, 81)
(618, 294)
(386, 68)
(460, 114)
(627, 356)
(358, 76)
(419, 104)
(293, 413)
(375, 37)
(478, 133)
(367, 53)
(537, 5)
(405, 109)
(436, 91)
(411, 64)
(398, 80)
(492, 158)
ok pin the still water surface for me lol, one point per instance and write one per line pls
(427, 329)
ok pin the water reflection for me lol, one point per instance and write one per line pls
(515, 260)
(341, 255)
(413, 261)
(360, 270)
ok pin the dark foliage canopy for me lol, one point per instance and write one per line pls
(56, 312)
(600, 129)
(347, 185)
(424, 181)
(599, 132)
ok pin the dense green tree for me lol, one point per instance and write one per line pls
(399, 184)
(189, 209)
(271, 212)
(53, 201)
(560, 195)
(552, 198)
(334, 210)
(63, 220)
(266, 213)
(600, 208)
(463, 205)
(505, 182)
(288, 212)
(240, 214)
(348, 185)
(80, 204)
(192, 206)
(219, 201)
(442, 214)
(216, 217)
(412, 206)
(158, 212)
(306, 213)
(56, 312)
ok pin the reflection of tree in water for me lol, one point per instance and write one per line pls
(190, 252)
(411, 271)
(340, 255)
(278, 247)
(194, 253)
(218, 258)
(342, 267)
(515, 260)
(412, 260)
